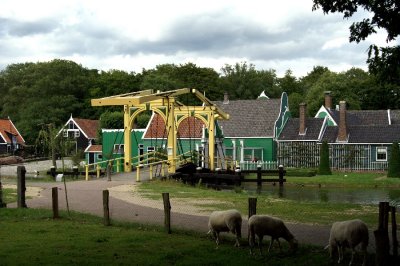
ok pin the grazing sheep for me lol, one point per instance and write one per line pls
(348, 234)
(226, 221)
(262, 225)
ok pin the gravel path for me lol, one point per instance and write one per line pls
(86, 196)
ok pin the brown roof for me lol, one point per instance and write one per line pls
(7, 128)
(94, 148)
(189, 128)
(88, 126)
(250, 118)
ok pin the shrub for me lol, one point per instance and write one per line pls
(394, 161)
(324, 168)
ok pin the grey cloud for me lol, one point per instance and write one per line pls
(25, 28)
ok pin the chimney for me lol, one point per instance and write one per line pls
(342, 134)
(226, 98)
(302, 118)
(328, 100)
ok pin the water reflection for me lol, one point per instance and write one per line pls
(338, 195)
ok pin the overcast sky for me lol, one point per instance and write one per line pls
(132, 35)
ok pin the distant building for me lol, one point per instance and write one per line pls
(358, 139)
(81, 132)
(11, 140)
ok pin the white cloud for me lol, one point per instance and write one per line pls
(132, 35)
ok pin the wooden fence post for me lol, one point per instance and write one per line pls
(106, 207)
(252, 206)
(259, 177)
(2, 203)
(281, 174)
(167, 212)
(382, 236)
(394, 232)
(54, 194)
(21, 188)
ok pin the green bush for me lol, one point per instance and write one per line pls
(324, 168)
(394, 161)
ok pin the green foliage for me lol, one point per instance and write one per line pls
(384, 15)
(394, 161)
(344, 86)
(243, 81)
(142, 120)
(324, 167)
(78, 157)
(294, 102)
(112, 120)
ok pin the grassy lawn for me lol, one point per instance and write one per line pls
(31, 237)
(351, 179)
(290, 210)
(9, 195)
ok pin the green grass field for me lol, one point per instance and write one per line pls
(31, 237)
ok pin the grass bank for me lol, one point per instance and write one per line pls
(31, 237)
(324, 213)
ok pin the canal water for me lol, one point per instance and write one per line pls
(330, 194)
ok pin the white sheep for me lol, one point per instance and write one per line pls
(225, 221)
(348, 234)
(262, 225)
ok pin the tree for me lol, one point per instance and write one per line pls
(324, 167)
(289, 83)
(384, 62)
(394, 161)
(243, 81)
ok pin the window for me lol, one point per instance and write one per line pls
(77, 133)
(119, 148)
(99, 156)
(65, 133)
(381, 154)
(150, 149)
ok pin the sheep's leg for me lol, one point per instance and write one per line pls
(279, 244)
(237, 244)
(364, 250)
(270, 244)
(217, 238)
(340, 251)
(260, 239)
(352, 256)
(251, 241)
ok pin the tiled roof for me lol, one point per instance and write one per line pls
(250, 118)
(291, 129)
(88, 126)
(94, 148)
(374, 134)
(7, 128)
(363, 117)
(189, 128)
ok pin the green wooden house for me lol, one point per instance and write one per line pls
(248, 137)
(358, 139)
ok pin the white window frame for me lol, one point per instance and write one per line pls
(381, 150)
(119, 148)
(65, 133)
(77, 134)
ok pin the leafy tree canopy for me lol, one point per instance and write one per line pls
(383, 61)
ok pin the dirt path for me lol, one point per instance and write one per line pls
(86, 196)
